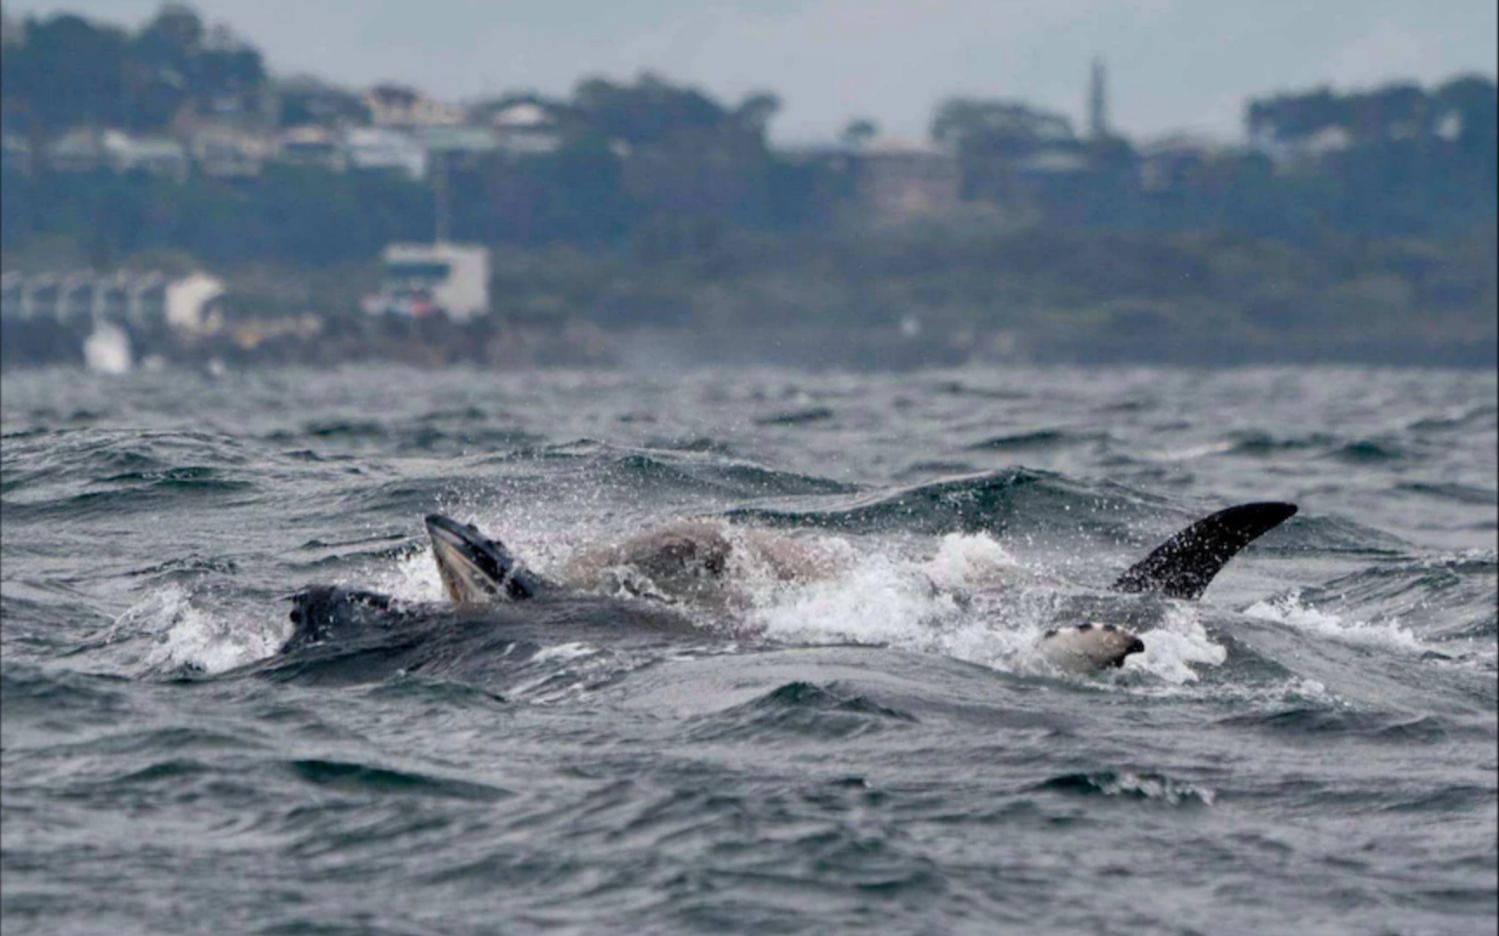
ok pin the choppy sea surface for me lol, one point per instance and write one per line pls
(1310, 748)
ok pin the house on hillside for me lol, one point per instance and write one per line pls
(223, 151)
(896, 179)
(1168, 163)
(455, 146)
(525, 129)
(1049, 176)
(836, 157)
(15, 153)
(1301, 152)
(385, 149)
(392, 105)
(148, 155)
(311, 145)
(80, 149)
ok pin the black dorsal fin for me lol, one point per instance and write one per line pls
(1183, 566)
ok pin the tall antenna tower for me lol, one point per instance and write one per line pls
(1098, 102)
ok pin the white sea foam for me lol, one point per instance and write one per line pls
(563, 652)
(875, 598)
(413, 578)
(1190, 452)
(1176, 644)
(1290, 610)
(166, 630)
(1164, 789)
(971, 601)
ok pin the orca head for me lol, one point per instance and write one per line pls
(1087, 647)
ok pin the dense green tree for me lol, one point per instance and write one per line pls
(858, 132)
(69, 71)
(991, 136)
(309, 100)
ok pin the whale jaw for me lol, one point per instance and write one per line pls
(475, 570)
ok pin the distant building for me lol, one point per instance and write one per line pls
(88, 149)
(1449, 126)
(385, 149)
(897, 179)
(525, 129)
(80, 149)
(222, 151)
(15, 153)
(456, 145)
(189, 305)
(1048, 172)
(431, 279)
(1168, 163)
(838, 156)
(311, 145)
(399, 106)
(1301, 152)
(150, 155)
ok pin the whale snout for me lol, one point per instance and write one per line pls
(473, 568)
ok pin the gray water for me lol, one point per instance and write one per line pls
(1310, 748)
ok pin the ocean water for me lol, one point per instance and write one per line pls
(1310, 748)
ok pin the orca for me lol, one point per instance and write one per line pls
(1180, 568)
(479, 572)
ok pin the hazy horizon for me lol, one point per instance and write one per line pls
(1172, 66)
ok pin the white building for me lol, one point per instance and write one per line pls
(1301, 152)
(188, 305)
(152, 155)
(222, 151)
(400, 106)
(385, 148)
(525, 129)
(427, 279)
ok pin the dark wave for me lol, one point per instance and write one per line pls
(348, 777)
(1265, 444)
(589, 757)
(997, 502)
(802, 709)
(801, 417)
(1459, 493)
(1371, 451)
(1317, 724)
(1036, 439)
(1142, 787)
(678, 471)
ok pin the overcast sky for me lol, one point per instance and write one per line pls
(1172, 64)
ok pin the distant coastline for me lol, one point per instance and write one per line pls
(638, 214)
